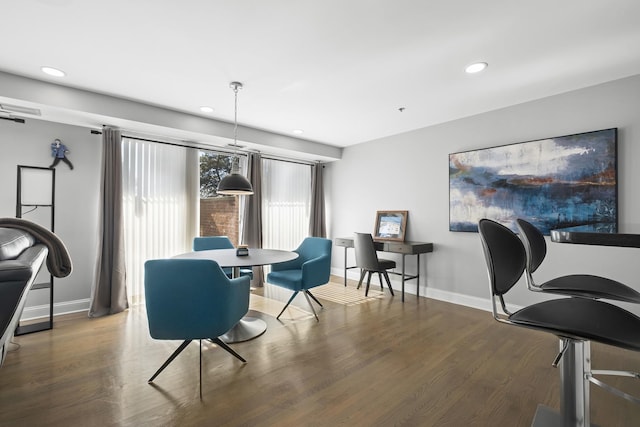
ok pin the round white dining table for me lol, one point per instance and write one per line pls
(248, 327)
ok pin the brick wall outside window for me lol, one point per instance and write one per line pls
(219, 217)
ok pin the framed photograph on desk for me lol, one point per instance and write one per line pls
(390, 225)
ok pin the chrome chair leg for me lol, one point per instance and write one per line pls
(287, 305)
(170, 359)
(226, 347)
(314, 298)
(311, 305)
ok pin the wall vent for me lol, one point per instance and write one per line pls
(20, 110)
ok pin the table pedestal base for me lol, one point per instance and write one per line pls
(246, 329)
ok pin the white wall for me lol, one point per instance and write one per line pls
(410, 172)
(76, 214)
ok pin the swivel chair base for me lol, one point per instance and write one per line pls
(547, 417)
(575, 378)
(575, 361)
(306, 294)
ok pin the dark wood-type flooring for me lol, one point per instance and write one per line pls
(375, 363)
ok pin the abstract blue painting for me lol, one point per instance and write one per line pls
(552, 183)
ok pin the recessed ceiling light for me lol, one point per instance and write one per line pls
(298, 131)
(476, 67)
(53, 71)
(206, 109)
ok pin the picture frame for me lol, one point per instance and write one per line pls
(390, 225)
(556, 182)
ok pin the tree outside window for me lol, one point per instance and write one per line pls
(213, 167)
(219, 215)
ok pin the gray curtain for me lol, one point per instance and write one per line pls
(109, 293)
(317, 221)
(252, 218)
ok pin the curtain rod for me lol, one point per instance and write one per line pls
(285, 159)
(175, 144)
(215, 150)
(13, 119)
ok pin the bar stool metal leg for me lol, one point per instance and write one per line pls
(575, 364)
(574, 385)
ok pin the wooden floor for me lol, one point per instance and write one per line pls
(368, 362)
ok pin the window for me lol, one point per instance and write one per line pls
(286, 203)
(169, 198)
(160, 193)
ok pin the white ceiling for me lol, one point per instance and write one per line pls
(338, 69)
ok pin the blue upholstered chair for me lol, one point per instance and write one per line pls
(312, 268)
(192, 299)
(219, 242)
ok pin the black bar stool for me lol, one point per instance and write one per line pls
(575, 321)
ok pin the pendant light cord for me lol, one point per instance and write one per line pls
(235, 117)
(235, 165)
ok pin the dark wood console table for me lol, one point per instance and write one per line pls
(403, 248)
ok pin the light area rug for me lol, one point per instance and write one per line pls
(273, 307)
(346, 295)
(275, 298)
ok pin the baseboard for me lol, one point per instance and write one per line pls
(437, 294)
(65, 307)
(459, 299)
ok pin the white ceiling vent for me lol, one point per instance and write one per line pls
(20, 110)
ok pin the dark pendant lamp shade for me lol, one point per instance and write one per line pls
(235, 184)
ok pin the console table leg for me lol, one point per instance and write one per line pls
(402, 277)
(418, 277)
(345, 267)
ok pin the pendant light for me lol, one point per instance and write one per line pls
(235, 184)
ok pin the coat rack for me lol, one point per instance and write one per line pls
(35, 200)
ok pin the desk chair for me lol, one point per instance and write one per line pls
(579, 285)
(368, 262)
(312, 268)
(192, 299)
(575, 321)
(219, 242)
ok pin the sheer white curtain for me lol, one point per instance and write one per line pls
(160, 187)
(286, 203)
